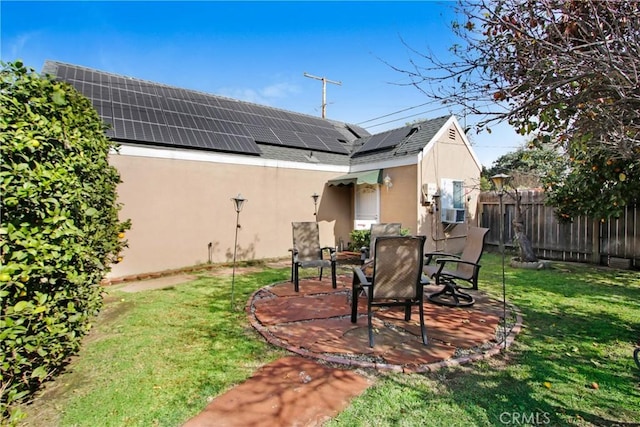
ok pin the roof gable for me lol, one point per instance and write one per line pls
(399, 142)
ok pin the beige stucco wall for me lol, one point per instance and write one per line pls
(450, 159)
(399, 203)
(179, 207)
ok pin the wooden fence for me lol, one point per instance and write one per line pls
(614, 242)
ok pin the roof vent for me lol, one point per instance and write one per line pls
(413, 130)
(452, 133)
(312, 158)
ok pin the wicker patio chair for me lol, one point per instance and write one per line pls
(397, 279)
(306, 252)
(449, 270)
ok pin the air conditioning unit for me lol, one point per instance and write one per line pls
(453, 216)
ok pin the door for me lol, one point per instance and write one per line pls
(367, 206)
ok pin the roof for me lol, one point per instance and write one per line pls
(158, 115)
(396, 143)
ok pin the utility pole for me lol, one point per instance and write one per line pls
(324, 91)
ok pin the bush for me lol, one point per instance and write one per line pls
(362, 238)
(60, 230)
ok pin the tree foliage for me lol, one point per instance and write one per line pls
(529, 167)
(60, 229)
(566, 72)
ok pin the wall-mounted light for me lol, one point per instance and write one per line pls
(387, 182)
(315, 197)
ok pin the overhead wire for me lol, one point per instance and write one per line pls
(396, 112)
(401, 118)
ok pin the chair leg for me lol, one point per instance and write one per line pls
(407, 310)
(333, 275)
(422, 328)
(370, 324)
(450, 295)
(296, 284)
(354, 300)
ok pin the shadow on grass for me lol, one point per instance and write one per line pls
(573, 360)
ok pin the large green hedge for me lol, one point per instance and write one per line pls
(60, 230)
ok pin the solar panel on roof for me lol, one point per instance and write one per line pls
(262, 134)
(384, 140)
(151, 112)
(288, 138)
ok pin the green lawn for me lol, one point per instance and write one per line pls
(157, 358)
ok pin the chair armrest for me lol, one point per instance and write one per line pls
(430, 255)
(363, 280)
(294, 255)
(332, 252)
(456, 260)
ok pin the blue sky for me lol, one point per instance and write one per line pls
(256, 51)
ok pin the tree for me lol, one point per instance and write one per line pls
(60, 229)
(527, 168)
(566, 72)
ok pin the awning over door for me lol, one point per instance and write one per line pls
(366, 177)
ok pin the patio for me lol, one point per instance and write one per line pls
(315, 323)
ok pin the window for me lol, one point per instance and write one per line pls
(452, 201)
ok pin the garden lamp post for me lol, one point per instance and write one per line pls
(238, 202)
(500, 181)
(315, 197)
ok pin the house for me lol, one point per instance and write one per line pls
(185, 154)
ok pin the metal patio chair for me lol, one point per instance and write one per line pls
(377, 230)
(397, 279)
(449, 270)
(306, 252)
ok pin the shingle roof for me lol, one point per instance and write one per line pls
(154, 114)
(400, 142)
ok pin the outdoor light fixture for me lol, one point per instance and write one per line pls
(387, 182)
(238, 203)
(315, 197)
(500, 181)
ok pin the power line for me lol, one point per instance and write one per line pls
(405, 117)
(396, 112)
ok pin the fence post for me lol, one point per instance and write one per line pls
(595, 242)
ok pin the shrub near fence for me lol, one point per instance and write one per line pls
(614, 241)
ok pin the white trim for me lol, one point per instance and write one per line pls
(209, 157)
(381, 164)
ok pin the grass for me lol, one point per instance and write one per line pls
(157, 357)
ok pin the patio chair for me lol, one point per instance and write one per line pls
(397, 279)
(306, 252)
(377, 230)
(449, 270)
